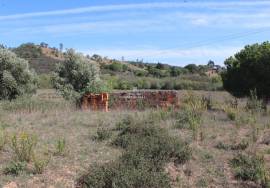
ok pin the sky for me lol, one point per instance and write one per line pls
(176, 32)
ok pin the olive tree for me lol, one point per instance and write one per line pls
(77, 75)
(249, 70)
(16, 78)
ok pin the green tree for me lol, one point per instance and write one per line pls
(249, 70)
(28, 50)
(192, 68)
(15, 77)
(76, 76)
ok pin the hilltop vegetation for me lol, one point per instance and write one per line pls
(125, 75)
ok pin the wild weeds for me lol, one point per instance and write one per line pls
(254, 104)
(147, 148)
(103, 134)
(3, 138)
(60, 147)
(249, 167)
(23, 145)
(15, 168)
(40, 163)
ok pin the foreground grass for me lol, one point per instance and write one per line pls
(73, 140)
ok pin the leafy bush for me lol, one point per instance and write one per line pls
(147, 148)
(23, 145)
(248, 70)
(102, 134)
(28, 50)
(15, 76)
(249, 168)
(75, 75)
(15, 168)
(122, 175)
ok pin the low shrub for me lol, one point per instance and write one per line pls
(40, 163)
(254, 104)
(240, 146)
(15, 168)
(231, 113)
(60, 147)
(102, 134)
(191, 119)
(23, 145)
(121, 175)
(249, 168)
(147, 148)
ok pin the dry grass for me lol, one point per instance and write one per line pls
(209, 166)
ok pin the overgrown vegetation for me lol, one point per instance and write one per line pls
(15, 76)
(250, 168)
(147, 149)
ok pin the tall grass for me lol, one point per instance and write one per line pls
(27, 104)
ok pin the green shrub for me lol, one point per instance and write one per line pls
(45, 81)
(23, 145)
(103, 134)
(253, 103)
(75, 75)
(122, 175)
(15, 76)
(240, 146)
(191, 119)
(40, 163)
(249, 168)
(147, 148)
(60, 147)
(151, 142)
(231, 113)
(15, 168)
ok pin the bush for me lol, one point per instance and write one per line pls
(121, 175)
(240, 146)
(23, 145)
(147, 149)
(191, 115)
(15, 168)
(76, 75)
(249, 168)
(102, 134)
(40, 163)
(15, 76)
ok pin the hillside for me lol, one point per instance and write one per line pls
(126, 75)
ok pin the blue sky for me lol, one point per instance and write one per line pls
(176, 32)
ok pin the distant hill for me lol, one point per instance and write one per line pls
(44, 59)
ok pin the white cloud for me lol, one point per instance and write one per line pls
(106, 8)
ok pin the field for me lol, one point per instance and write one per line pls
(69, 140)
